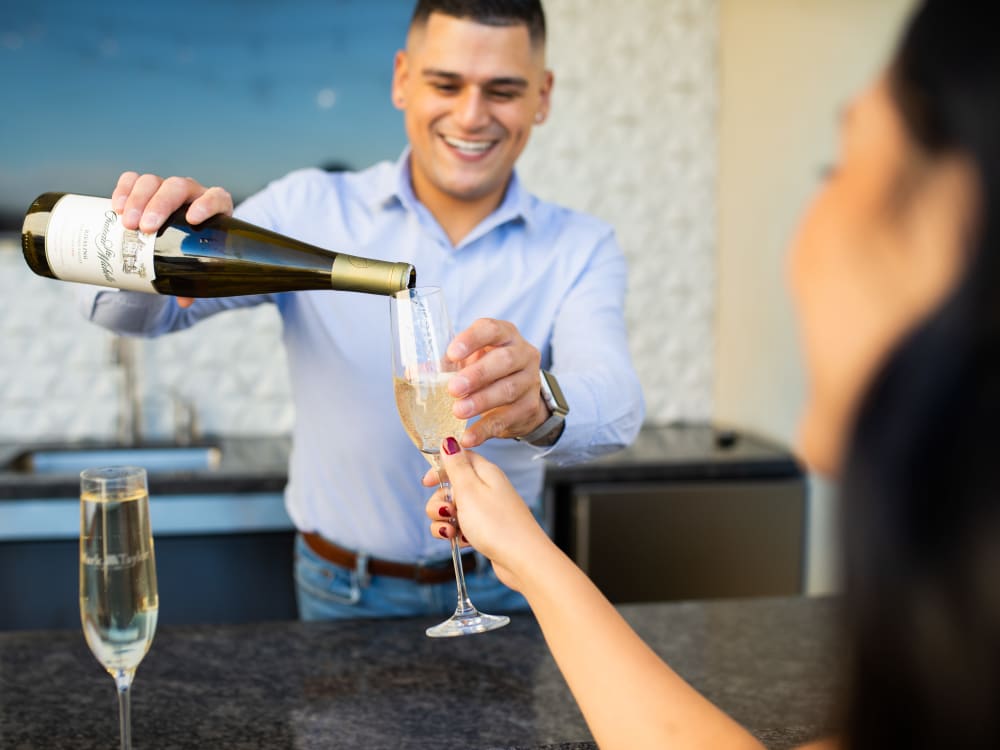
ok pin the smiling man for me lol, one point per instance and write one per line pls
(471, 89)
(535, 290)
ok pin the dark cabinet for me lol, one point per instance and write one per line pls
(688, 512)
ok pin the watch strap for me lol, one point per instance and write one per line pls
(549, 425)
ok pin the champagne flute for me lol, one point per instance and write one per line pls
(118, 598)
(421, 332)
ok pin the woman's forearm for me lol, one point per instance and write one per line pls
(628, 695)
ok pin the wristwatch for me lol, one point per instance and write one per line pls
(553, 397)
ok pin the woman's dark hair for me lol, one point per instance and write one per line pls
(489, 13)
(921, 486)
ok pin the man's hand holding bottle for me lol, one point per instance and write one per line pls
(146, 201)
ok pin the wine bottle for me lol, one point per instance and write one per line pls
(80, 238)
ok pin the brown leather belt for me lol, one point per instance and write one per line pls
(436, 572)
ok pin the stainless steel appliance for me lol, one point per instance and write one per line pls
(687, 512)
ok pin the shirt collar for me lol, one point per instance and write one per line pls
(517, 202)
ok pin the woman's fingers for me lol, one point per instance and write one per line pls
(439, 509)
(445, 530)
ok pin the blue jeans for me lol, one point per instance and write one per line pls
(325, 591)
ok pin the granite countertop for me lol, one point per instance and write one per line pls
(259, 464)
(382, 684)
(686, 451)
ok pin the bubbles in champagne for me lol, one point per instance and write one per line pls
(425, 409)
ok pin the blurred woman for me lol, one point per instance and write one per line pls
(896, 276)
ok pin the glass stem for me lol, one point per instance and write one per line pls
(123, 681)
(464, 606)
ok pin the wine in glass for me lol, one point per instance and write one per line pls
(421, 332)
(118, 597)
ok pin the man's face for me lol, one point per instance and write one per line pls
(470, 94)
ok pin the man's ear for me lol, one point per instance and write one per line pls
(400, 74)
(545, 97)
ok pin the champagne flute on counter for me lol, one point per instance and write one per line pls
(119, 603)
(421, 332)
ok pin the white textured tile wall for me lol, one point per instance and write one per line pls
(53, 378)
(632, 139)
(58, 378)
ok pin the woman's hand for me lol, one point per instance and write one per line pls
(494, 518)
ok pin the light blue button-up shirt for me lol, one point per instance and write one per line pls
(354, 475)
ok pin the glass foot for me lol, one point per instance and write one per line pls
(467, 623)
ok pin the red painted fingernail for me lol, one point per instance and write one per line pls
(443, 531)
(451, 446)
(444, 512)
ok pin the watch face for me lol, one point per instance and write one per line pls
(553, 394)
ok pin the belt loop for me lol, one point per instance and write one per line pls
(418, 569)
(361, 570)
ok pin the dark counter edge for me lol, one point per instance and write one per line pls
(248, 464)
(674, 452)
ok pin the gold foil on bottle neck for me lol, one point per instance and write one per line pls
(353, 274)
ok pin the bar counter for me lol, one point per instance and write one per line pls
(770, 663)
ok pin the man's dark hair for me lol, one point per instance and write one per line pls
(489, 13)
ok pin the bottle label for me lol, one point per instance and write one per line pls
(86, 242)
